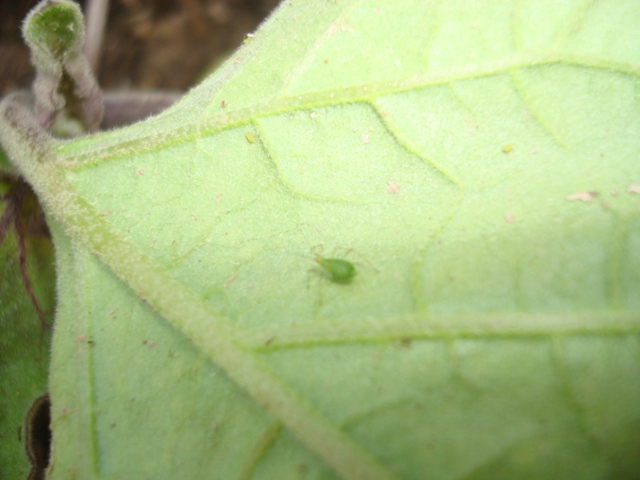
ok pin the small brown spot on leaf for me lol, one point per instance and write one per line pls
(365, 138)
(582, 196)
(230, 280)
(634, 188)
(509, 218)
(405, 342)
(392, 187)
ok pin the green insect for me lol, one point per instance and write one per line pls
(333, 269)
(336, 270)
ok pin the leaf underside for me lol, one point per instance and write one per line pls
(476, 162)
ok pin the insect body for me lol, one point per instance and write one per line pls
(337, 270)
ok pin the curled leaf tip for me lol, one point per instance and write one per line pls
(68, 100)
(55, 28)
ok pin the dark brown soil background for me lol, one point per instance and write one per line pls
(148, 44)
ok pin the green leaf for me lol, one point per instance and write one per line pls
(24, 346)
(476, 162)
(5, 164)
